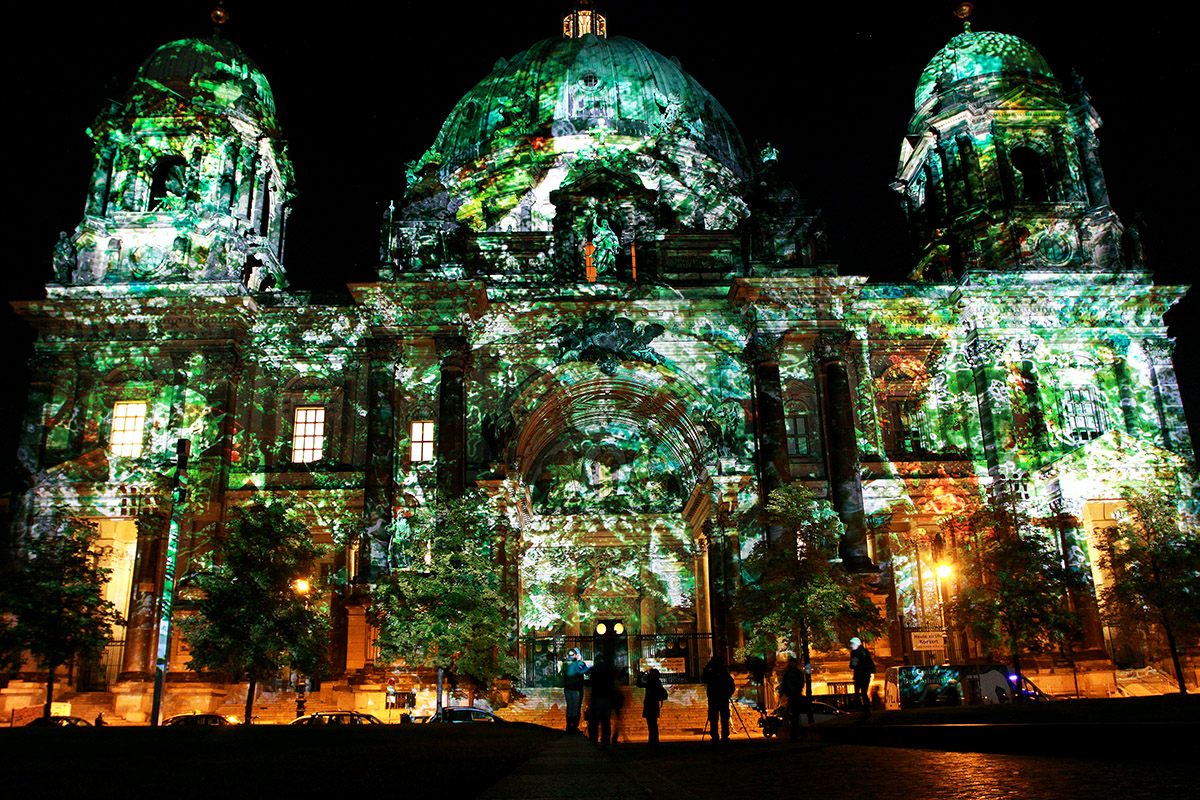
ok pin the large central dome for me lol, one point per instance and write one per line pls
(561, 87)
(570, 99)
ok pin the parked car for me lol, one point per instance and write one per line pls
(464, 714)
(337, 718)
(63, 722)
(198, 719)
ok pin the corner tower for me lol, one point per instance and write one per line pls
(191, 181)
(1000, 169)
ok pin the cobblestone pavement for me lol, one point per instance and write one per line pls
(572, 768)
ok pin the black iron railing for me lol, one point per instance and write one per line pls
(679, 657)
(98, 675)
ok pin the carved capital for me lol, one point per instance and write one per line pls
(1159, 348)
(982, 351)
(833, 346)
(763, 348)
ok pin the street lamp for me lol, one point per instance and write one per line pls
(301, 586)
(943, 572)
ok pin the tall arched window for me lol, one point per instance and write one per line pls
(168, 184)
(1029, 175)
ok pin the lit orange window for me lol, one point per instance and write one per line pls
(128, 429)
(421, 446)
(308, 435)
(589, 261)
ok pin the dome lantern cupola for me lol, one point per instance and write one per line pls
(582, 20)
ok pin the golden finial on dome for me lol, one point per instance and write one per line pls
(962, 11)
(219, 15)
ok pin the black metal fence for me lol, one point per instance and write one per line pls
(679, 657)
(98, 675)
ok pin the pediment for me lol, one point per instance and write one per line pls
(602, 181)
(1117, 459)
(1023, 98)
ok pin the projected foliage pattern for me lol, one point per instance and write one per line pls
(623, 327)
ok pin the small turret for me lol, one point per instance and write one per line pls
(192, 180)
(999, 170)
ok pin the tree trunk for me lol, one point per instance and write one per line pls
(441, 672)
(250, 702)
(806, 665)
(1171, 644)
(50, 691)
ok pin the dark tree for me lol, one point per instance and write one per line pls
(1154, 567)
(800, 596)
(1016, 583)
(444, 605)
(252, 620)
(53, 605)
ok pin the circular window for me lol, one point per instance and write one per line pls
(471, 110)
(590, 81)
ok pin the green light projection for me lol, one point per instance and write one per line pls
(623, 420)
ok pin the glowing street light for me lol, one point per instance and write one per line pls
(943, 571)
(301, 586)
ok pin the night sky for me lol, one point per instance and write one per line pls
(362, 88)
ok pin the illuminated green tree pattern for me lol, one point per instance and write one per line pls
(443, 606)
(798, 596)
(252, 620)
(1016, 583)
(619, 411)
(54, 605)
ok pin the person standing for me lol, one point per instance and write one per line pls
(656, 695)
(792, 686)
(863, 667)
(390, 699)
(301, 702)
(574, 669)
(601, 701)
(718, 686)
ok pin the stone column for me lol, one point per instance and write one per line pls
(451, 438)
(1093, 172)
(845, 481)
(1120, 369)
(718, 585)
(980, 352)
(771, 456)
(379, 488)
(951, 193)
(142, 628)
(967, 168)
(1167, 403)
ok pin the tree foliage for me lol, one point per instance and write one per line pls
(1016, 583)
(1153, 564)
(54, 605)
(444, 606)
(800, 595)
(251, 621)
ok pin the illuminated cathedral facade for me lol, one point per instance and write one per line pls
(599, 308)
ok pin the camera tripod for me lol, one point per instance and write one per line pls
(736, 713)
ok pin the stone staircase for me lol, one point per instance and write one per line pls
(88, 704)
(685, 712)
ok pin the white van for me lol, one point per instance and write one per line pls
(955, 685)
